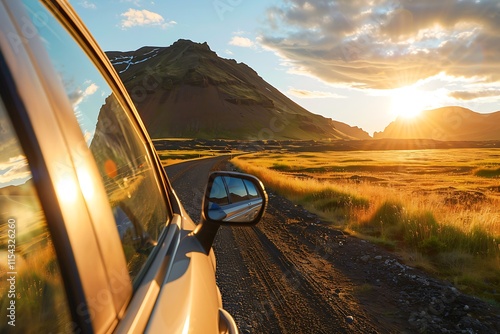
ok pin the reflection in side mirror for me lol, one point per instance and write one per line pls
(234, 198)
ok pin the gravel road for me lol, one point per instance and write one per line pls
(293, 274)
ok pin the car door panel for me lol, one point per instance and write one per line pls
(58, 187)
(190, 286)
(79, 156)
(73, 174)
(138, 312)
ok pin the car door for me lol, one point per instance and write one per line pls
(123, 243)
(54, 179)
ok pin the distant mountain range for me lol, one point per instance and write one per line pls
(187, 91)
(445, 124)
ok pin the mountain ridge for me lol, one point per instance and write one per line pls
(452, 123)
(186, 90)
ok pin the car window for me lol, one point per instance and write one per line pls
(30, 280)
(252, 192)
(126, 167)
(237, 191)
(218, 193)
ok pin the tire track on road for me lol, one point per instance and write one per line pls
(299, 305)
(269, 288)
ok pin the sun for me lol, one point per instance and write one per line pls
(408, 102)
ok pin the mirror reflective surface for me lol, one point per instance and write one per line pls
(234, 198)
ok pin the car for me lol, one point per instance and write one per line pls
(93, 238)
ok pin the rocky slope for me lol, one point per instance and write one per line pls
(445, 124)
(186, 90)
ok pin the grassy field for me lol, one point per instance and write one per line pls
(439, 209)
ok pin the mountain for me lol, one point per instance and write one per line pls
(448, 123)
(186, 90)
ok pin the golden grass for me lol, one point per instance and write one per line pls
(437, 207)
(440, 181)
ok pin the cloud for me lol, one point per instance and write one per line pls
(243, 42)
(385, 44)
(91, 89)
(306, 94)
(15, 169)
(13, 161)
(134, 17)
(473, 95)
(78, 95)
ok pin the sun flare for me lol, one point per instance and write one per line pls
(408, 102)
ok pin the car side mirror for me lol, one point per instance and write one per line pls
(234, 198)
(230, 198)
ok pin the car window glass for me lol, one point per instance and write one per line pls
(30, 280)
(252, 192)
(218, 193)
(123, 161)
(237, 190)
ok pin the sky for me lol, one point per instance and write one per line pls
(361, 62)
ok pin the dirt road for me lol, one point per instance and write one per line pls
(293, 274)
